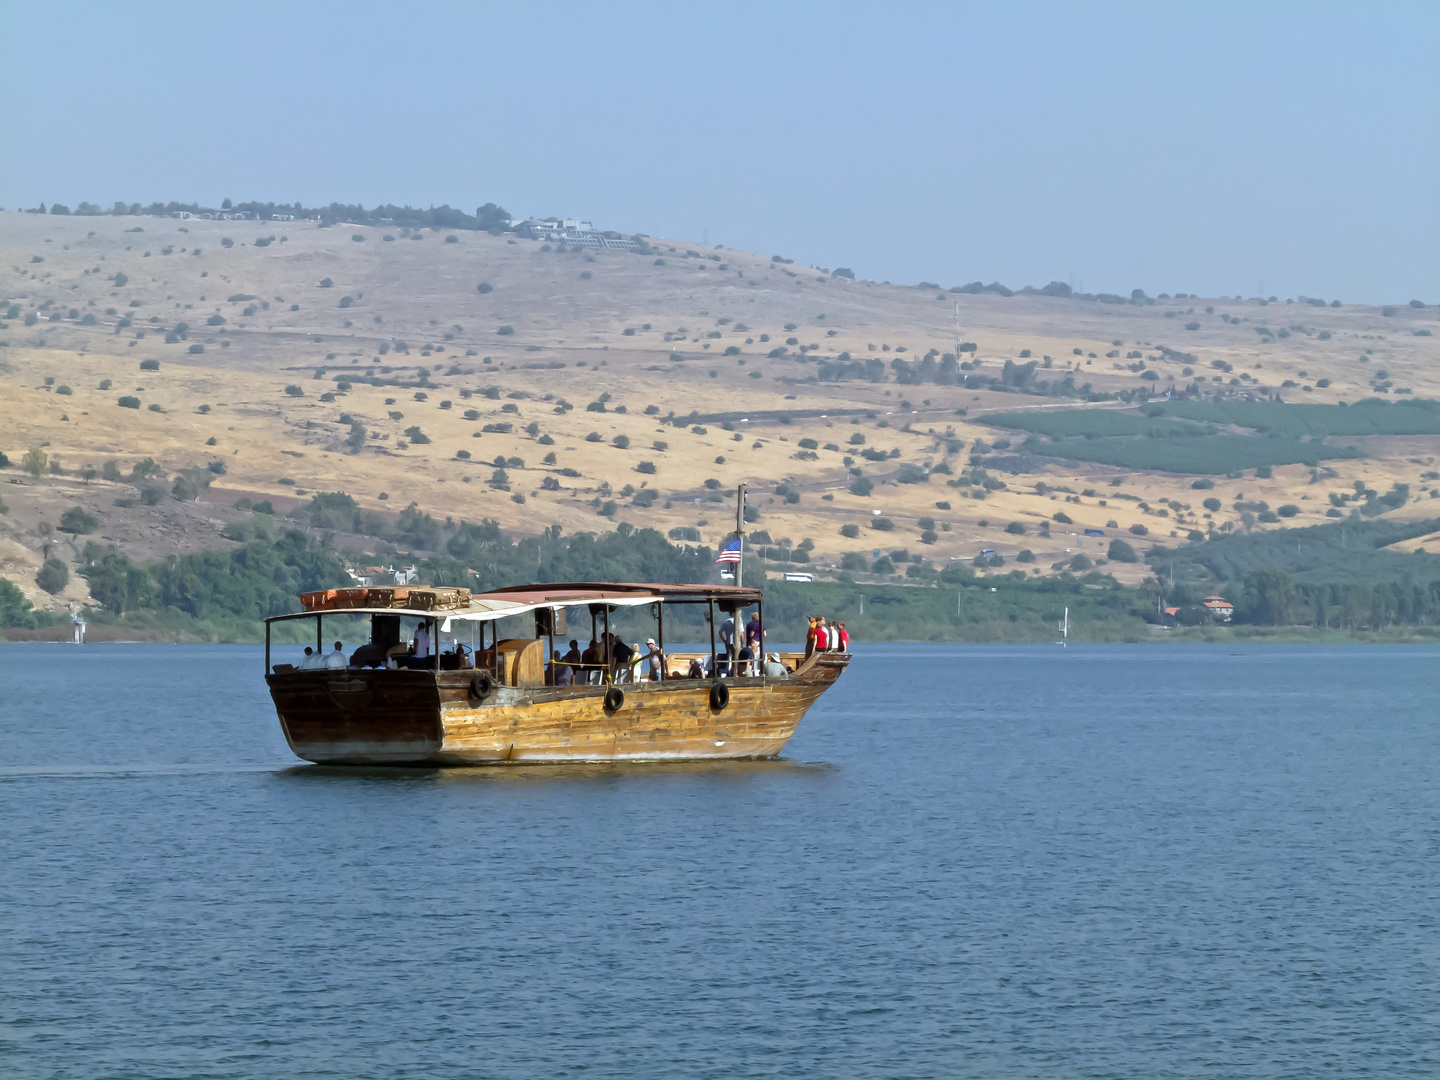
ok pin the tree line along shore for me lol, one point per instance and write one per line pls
(1344, 580)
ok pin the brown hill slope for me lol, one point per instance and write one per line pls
(645, 337)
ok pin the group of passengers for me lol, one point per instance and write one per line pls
(610, 656)
(825, 636)
(417, 653)
(315, 659)
(746, 656)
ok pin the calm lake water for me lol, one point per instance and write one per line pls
(972, 862)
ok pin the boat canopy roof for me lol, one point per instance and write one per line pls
(520, 599)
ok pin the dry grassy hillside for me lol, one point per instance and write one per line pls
(553, 332)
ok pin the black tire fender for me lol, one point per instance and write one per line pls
(481, 686)
(719, 696)
(614, 698)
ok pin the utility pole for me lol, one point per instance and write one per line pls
(740, 534)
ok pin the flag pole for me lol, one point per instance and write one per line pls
(740, 534)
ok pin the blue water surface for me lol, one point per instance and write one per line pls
(972, 861)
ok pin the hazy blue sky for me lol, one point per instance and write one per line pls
(1200, 148)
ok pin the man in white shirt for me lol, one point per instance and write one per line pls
(336, 659)
(311, 661)
(422, 644)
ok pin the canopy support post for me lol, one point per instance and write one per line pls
(710, 617)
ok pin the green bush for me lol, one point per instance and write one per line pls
(1289, 510)
(129, 402)
(16, 610)
(850, 532)
(882, 524)
(1015, 528)
(1121, 552)
(1212, 504)
(294, 391)
(1139, 530)
(76, 520)
(54, 575)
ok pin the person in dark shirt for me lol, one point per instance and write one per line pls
(590, 662)
(620, 656)
(742, 669)
(573, 659)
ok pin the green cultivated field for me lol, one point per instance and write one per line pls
(1205, 455)
(1184, 436)
(1370, 417)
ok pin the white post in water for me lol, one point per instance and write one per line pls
(1065, 629)
(740, 534)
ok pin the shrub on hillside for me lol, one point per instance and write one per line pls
(1120, 551)
(76, 520)
(54, 575)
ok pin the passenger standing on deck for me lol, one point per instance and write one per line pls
(844, 637)
(590, 662)
(834, 637)
(573, 659)
(336, 659)
(619, 658)
(822, 634)
(727, 638)
(755, 634)
(810, 638)
(654, 660)
(420, 658)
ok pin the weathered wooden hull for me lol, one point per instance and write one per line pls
(379, 717)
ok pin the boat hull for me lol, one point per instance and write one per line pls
(380, 717)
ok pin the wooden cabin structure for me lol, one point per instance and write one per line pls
(506, 699)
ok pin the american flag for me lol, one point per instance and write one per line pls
(731, 553)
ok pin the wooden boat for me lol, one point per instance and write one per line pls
(498, 703)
